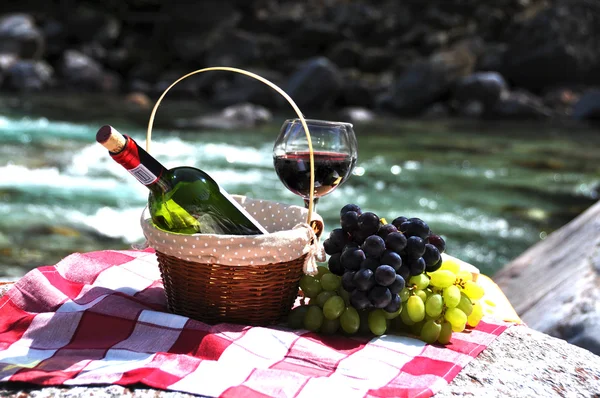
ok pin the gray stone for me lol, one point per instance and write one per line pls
(241, 116)
(485, 87)
(315, 84)
(588, 106)
(83, 72)
(20, 36)
(28, 76)
(519, 105)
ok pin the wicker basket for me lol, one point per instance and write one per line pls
(243, 290)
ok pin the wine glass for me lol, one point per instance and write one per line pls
(334, 156)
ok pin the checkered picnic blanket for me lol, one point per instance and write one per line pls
(101, 317)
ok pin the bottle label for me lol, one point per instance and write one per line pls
(143, 174)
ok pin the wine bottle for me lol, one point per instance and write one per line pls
(183, 199)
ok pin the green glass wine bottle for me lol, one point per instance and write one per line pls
(183, 199)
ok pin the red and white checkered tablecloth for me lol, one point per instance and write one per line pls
(100, 317)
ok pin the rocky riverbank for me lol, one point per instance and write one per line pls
(510, 59)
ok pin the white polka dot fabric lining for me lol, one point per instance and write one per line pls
(288, 239)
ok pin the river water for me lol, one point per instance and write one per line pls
(492, 190)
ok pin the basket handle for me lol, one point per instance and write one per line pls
(318, 228)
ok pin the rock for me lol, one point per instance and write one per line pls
(471, 109)
(346, 54)
(56, 37)
(315, 84)
(484, 87)
(356, 115)
(241, 116)
(85, 23)
(519, 105)
(561, 100)
(139, 100)
(29, 76)
(436, 111)
(571, 313)
(557, 45)
(492, 57)
(187, 88)
(7, 60)
(233, 48)
(426, 81)
(588, 106)
(20, 36)
(359, 89)
(82, 72)
(314, 37)
(376, 60)
(242, 88)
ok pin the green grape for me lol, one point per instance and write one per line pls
(473, 290)
(451, 296)
(404, 294)
(421, 281)
(322, 298)
(416, 327)
(434, 305)
(476, 315)
(415, 308)
(310, 286)
(442, 278)
(334, 307)
(313, 319)
(457, 319)
(330, 326)
(464, 275)
(465, 304)
(392, 315)
(296, 317)
(404, 316)
(430, 331)
(350, 320)
(445, 333)
(344, 294)
(321, 270)
(330, 282)
(377, 322)
(422, 294)
(450, 265)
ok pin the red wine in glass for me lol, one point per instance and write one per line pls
(331, 170)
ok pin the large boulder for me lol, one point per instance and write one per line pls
(485, 87)
(85, 23)
(315, 84)
(20, 36)
(426, 81)
(28, 75)
(519, 104)
(588, 106)
(82, 72)
(558, 45)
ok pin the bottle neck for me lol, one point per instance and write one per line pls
(145, 168)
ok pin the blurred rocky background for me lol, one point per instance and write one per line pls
(507, 59)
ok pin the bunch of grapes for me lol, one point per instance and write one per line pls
(384, 277)
(376, 259)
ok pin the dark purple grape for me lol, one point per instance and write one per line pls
(399, 284)
(398, 221)
(351, 245)
(352, 258)
(335, 265)
(380, 296)
(438, 242)
(370, 263)
(364, 279)
(404, 272)
(347, 281)
(431, 255)
(434, 267)
(396, 241)
(349, 221)
(394, 304)
(350, 207)
(360, 300)
(415, 247)
(416, 266)
(415, 227)
(373, 246)
(385, 275)
(359, 237)
(391, 258)
(386, 229)
(335, 242)
(368, 223)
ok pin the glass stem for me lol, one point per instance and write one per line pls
(307, 201)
